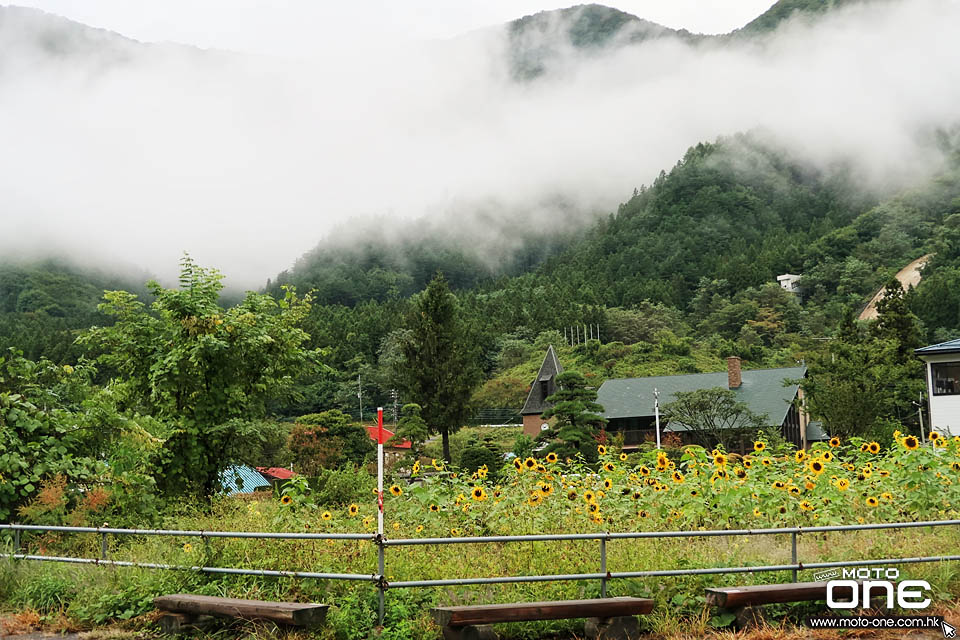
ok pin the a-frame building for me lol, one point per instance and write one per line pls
(541, 388)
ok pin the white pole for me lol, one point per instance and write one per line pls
(656, 412)
(380, 470)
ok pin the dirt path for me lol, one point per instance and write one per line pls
(909, 276)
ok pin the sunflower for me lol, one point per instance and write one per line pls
(546, 488)
(955, 466)
(535, 498)
(782, 509)
(517, 464)
(286, 500)
(886, 495)
(530, 463)
(607, 484)
(834, 442)
(817, 467)
(849, 466)
(809, 486)
(800, 455)
(478, 494)
(794, 491)
(759, 445)
(740, 472)
(396, 491)
(637, 495)
(694, 493)
(326, 515)
(436, 464)
(863, 447)
(187, 548)
(593, 507)
(826, 455)
(779, 484)
(623, 457)
(721, 473)
(873, 447)
(940, 443)
(872, 502)
(910, 443)
(806, 506)
(541, 468)
(551, 457)
(455, 532)
(677, 477)
(419, 528)
(720, 460)
(416, 467)
(757, 512)
(608, 467)
(642, 514)
(644, 471)
(747, 463)
(602, 450)
(934, 436)
(572, 494)
(353, 510)
(435, 508)
(766, 462)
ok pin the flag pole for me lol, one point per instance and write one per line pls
(380, 470)
(656, 410)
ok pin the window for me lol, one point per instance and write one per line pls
(946, 378)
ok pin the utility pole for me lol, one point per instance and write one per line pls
(396, 414)
(360, 396)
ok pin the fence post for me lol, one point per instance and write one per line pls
(793, 553)
(16, 541)
(103, 546)
(380, 583)
(603, 567)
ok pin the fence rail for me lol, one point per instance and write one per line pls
(378, 578)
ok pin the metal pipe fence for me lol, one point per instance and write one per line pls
(379, 579)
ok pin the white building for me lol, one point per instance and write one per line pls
(943, 386)
(789, 282)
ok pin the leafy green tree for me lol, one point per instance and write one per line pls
(578, 416)
(440, 360)
(713, 416)
(328, 440)
(411, 427)
(198, 367)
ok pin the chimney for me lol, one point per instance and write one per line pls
(733, 372)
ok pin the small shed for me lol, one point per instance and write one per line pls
(943, 385)
(241, 479)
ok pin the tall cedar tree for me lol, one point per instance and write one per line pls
(578, 415)
(441, 361)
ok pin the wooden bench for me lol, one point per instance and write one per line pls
(182, 611)
(744, 602)
(607, 618)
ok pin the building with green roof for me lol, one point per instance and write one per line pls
(630, 403)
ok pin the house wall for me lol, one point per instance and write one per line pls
(531, 424)
(943, 412)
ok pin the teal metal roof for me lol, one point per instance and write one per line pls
(761, 389)
(241, 479)
(950, 346)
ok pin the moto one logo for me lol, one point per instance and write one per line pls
(858, 585)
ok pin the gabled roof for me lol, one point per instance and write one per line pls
(950, 346)
(762, 390)
(549, 370)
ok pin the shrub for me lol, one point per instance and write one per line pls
(328, 440)
(476, 456)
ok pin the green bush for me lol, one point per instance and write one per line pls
(476, 456)
(342, 486)
(45, 591)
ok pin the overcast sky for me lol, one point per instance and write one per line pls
(249, 161)
(303, 27)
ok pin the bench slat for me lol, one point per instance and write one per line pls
(518, 611)
(735, 597)
(294, 613)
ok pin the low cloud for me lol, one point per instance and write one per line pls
(121, 152)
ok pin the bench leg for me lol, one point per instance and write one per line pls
(182, 623)
(621, 628)
(470, 632)
(748, 617)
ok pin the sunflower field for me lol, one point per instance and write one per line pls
(831, 483)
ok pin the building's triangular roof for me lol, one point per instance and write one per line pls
(950, 346)
(550, 368)
(241, 479)
(761, 389)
